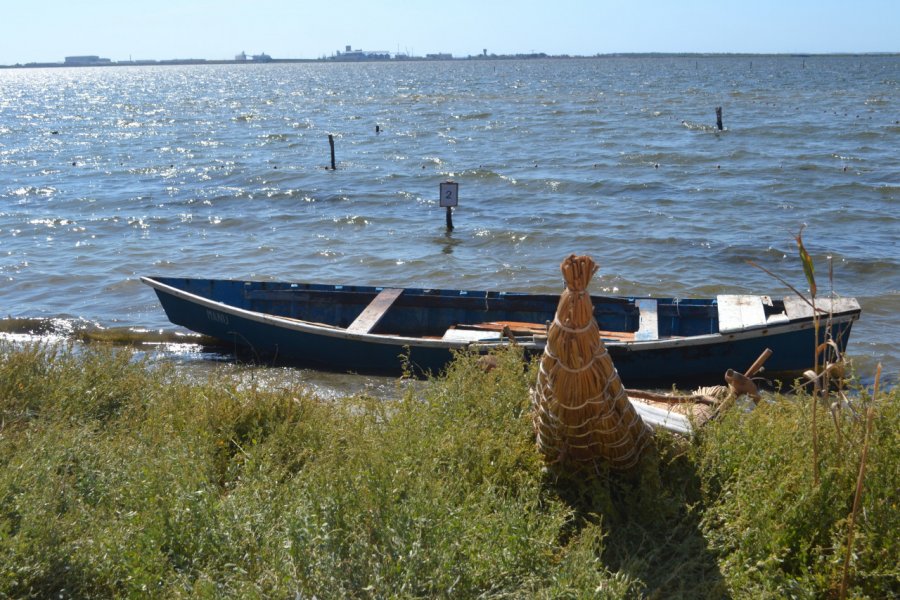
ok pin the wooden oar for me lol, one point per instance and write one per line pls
(758, 363)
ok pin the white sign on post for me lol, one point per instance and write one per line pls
(449, 194)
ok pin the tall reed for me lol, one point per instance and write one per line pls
(851, 529)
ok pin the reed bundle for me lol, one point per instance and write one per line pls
(581, 413)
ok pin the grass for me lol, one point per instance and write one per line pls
(122, 478)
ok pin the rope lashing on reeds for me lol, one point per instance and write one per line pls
(581, 413)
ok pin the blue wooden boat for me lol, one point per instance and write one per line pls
(371, 329)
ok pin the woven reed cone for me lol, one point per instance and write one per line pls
(580, 410)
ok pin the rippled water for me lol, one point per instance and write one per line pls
(219, 171)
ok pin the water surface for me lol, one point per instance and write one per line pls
(219, 171)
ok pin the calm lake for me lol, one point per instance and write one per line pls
(107, 174)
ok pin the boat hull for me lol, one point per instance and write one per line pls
(277, 342)
(276, 338)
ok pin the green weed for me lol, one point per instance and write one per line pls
(121, 478)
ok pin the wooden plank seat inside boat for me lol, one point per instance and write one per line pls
(376, 309)
(519, 328)
(740, 312)
(648, 328)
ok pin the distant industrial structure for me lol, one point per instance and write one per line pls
(346, 55)
(242, 57)
(86, 61)
(351, 55)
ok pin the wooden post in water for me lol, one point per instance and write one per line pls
(449, 218)
(331, 143)
(719, 117)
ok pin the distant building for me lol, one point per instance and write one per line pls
(242, 57)
(86, 61)
(359, 55)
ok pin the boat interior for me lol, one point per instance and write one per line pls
(480, 315)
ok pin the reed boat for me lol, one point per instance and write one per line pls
(365, 329)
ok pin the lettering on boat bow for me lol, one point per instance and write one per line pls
(218, 317)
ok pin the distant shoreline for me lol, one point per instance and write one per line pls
(407, 59)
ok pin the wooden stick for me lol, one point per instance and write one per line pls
(331, 143)
(507, 332)
(757, 365)
(719, 117)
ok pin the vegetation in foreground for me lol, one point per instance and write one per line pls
(121, 478)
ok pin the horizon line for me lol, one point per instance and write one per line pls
(430, 57)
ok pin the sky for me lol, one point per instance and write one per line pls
(48, 31)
